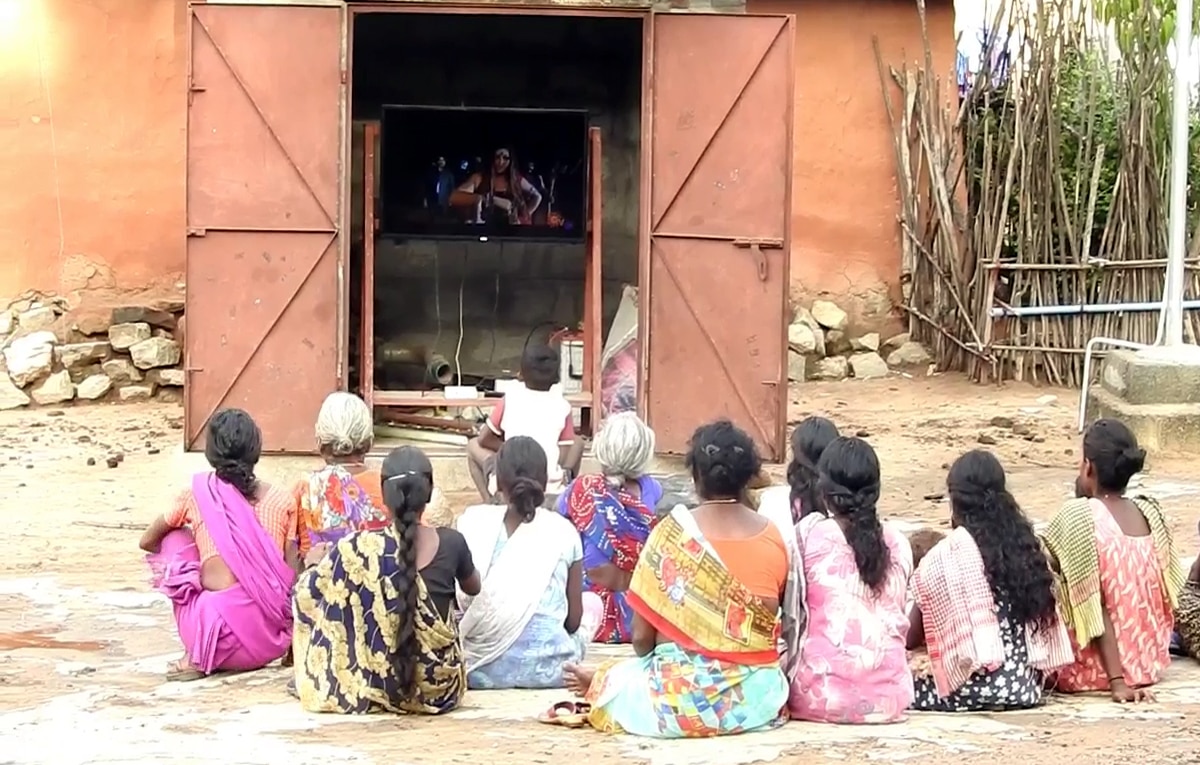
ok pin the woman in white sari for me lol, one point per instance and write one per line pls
(529, 619)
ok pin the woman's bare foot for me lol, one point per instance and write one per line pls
(578, 679)
(182, 671)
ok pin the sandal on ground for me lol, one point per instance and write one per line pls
(181, 671)
(569, 714)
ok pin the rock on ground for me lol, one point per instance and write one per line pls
(868, 366)
(37, 318)
(797, 366)
(94, 387)
(136, 393)
(895, 341)
(122, 371)
(868, 342)
(154, 352)
(836, 342)
(143, 315)
(910, 354)
(801, 338)
(832, 368)
(11, 397)
(125, 336)
(75, 355)
(55, 389)
(804, 317)
(7, 322)
(829, 316)
(172, 378)
(29, 357)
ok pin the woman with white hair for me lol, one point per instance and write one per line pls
(613, 512)
(344, 495)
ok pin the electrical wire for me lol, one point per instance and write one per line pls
(458, 349)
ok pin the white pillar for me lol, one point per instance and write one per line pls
(1177, 212)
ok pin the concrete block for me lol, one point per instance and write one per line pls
(1153, 376)
(1158, 427)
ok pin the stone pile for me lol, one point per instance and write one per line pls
(50, 358)
(821, 346)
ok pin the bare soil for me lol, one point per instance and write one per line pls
(84, 643)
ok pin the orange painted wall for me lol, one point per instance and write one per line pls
(92, 119)
(845, 239)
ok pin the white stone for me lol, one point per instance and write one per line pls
(868, 342)
(154, 352)
(29, 357)
(11, 397)
(1047, 400)
(797, 366)
(806, 318)
(7, 322)
(909, 354)
(832, 368)
(136, 392)
(74, 355)
(122, 371)
(171, 377)
(55, 389)
(828, 315)
(94, 387)
(124, 336)
(868, 366)
(801, 338)
(895, 341)
(836, 343)
(37, 318)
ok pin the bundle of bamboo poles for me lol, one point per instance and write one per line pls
(1043, 184)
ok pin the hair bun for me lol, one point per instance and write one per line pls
(1134, 457)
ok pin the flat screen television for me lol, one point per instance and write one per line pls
(475, 173)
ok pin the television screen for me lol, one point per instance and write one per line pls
(451, 172)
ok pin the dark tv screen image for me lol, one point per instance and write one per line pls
(477, 172)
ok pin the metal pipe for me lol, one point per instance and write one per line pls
(437, 370)
(1088, 350)
(1068, 310)
(1177, 212)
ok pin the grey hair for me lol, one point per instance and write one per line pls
(624, 447)
(345, 424)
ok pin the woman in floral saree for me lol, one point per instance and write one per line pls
(613, 512)
(374, 629)
(705, 597)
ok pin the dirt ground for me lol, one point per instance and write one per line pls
(84, 643)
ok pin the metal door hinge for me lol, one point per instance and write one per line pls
(200, 232)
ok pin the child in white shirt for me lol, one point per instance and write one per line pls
(536, 408)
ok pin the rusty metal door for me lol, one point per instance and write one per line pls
(719, 226)
(263, 213)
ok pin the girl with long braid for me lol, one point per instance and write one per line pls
(853, 663)
(374, 629)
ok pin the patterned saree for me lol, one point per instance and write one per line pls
(346, 622)
(720, 674)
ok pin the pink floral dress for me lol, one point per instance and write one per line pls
(853, 663)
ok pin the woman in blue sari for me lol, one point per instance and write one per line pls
(613, 511)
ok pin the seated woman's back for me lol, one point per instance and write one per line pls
(853, 664)
(523, 627)
(753, 550)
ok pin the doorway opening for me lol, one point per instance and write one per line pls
(495, 197)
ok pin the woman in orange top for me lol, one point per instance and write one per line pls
(344, 495)
(706, 594)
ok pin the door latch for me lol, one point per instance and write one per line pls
(756, 245)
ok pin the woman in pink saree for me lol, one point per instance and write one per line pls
(225, 556)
